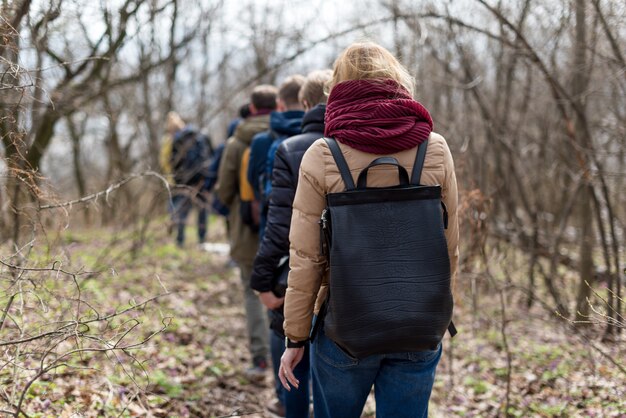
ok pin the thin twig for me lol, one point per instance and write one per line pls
(40, 269)
(109, 189)
(575, 331)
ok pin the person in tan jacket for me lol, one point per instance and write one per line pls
(370, 113)
(244, 240)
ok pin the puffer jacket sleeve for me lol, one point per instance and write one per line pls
(306, 263)
(450, 199)
(275, 243)
(228, 176)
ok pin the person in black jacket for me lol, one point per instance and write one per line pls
(274, 248)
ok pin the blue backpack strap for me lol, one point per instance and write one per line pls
(344, 170)
(420, 156)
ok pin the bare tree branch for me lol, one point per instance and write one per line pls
(111, 188)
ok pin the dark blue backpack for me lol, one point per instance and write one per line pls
(191, 155)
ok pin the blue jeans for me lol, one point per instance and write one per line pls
(296, 401)
(181, 206)
(402, 381)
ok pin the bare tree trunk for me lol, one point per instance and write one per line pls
(173, 67)
(20, 8)
(13, 138)
(579, 85)
(586, 278)
(397, 40)
(117, 159)
(151, 124)
(43, 135)
(532, 264)
(76, 134)
(201, 116)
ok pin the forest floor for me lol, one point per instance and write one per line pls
(195, 366)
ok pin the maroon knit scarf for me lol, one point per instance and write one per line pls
(376, 116)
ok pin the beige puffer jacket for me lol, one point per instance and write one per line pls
(319, 175)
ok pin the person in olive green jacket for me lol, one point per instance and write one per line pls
(244, 241)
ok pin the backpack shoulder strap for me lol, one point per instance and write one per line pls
(206, 142)
(452, 329)
(344, 170)
(419, 163)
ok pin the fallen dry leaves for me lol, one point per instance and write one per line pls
(195, 368)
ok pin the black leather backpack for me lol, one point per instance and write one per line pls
(389, 266)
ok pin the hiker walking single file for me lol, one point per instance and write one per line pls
(373, 245)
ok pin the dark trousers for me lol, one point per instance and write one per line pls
(296, 401)
(182, 203)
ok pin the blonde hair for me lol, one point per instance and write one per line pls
(174, 122)
(313, 90)
(289, 90)
(366, 61)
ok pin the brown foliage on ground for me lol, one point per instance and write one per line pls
(195, 366)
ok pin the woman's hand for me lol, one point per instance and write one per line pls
(270, 300)
(290, 359)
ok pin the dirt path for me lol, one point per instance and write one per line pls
(549, 369)
(214, 323)
(231, 394)
(195, 367)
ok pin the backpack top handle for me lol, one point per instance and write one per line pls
(402, 173)
(344, 170)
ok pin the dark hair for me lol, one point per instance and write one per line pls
(264, 97)
(244, 111)
(288, 91)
